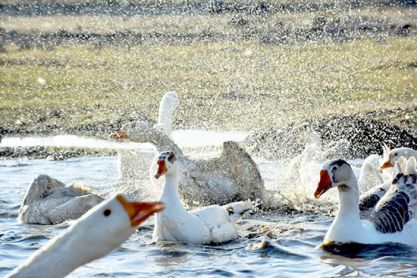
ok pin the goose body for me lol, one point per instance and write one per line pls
(372, 182)
(49, 201)
(211, 224)
(233, 175)
(96, 233)
(370, 176)
(393, 218)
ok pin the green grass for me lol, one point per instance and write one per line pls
(238, 85)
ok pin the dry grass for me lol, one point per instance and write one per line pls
(238, 85)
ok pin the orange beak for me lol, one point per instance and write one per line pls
(162, 169)
(387, 164)
(325, 184)
(139, 211)
(121, 135)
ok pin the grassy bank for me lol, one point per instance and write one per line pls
(225, 85)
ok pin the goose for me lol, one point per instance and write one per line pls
(391, 156)
(211, 224)
(96, 233)
(392, 220)
(370, 176)
(233, 175)
(372, 182)
(48, 201)
(131, 164)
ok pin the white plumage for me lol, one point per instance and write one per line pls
(49, 201)
(96, 233)
(131, 165)
(233, 175)
(211, 224)
(392, 220)
(392, 156)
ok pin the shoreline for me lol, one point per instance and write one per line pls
(408, 126)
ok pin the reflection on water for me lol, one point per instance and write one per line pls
(366, 251)
(270, 244)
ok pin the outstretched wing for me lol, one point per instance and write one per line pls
(398, 206)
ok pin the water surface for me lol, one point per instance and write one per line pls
(289, 240)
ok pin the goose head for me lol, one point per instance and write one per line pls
(338, 174)
(109, 224)
(139, 131)
(166, 164)
(100, 230)
(392, 156)
(114, 217)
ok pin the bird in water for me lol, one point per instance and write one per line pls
(49, 201)
(96, 233)
(394, 217)
(211, 224)
(231, 176)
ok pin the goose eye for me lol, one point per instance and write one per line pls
(334, 168)
(395, 154)
(171, 157)
(107, 212)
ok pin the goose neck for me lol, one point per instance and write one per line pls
(349, 200)
(170, 192)
(163, 142)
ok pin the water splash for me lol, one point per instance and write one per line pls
(184, 138)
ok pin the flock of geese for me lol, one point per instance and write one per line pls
(387, 212)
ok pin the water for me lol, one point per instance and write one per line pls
(290, 251)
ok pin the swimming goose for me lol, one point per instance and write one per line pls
(391, 156)
(370, 176)
(131, 164)
(372, 182)
(394, 216)
(49, 201)
(233, 175)
(212, 224)
(96, 233)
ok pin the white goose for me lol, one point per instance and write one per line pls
(49, 201)
(212, 224)
(131, 164)
(391, 156)
(95, 234)
(233, 175)
(394, 216)
(370, 175)
(371, 181)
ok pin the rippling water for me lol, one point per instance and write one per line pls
(270, 244)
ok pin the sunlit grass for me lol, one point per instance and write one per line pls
(238, 85)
